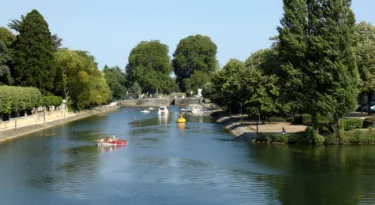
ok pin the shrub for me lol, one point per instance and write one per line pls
(351, 123)
(323, 121)
(48, 101)
(304, 119)
(313, 136)
(276, 119)
(274, 138)
(15, 99)
(289, 119)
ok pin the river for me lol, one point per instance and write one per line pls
(167, 163)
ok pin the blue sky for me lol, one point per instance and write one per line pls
(110, 29)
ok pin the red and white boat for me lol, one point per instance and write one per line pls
(111, 141)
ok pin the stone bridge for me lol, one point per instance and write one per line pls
(160, 102)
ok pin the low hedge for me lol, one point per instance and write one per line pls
(304, 119)
(276, 119)
(351, 123)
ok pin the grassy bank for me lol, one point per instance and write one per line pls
(352, 137)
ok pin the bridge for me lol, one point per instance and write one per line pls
(154, 102)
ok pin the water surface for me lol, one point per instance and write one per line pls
(169, 163)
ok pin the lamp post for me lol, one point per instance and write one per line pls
(258, 118)
(64, 105)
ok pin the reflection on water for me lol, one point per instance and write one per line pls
(206, 166)
(163, 119)
(109, 148)
(181, 126)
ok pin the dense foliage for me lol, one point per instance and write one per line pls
(245, 88)
(51, 100)
(15, 99)
(365, 52)
(116, 81)
(34, 54)
(194, 54)
(79, 80)
(316, 40)
(148, 65)
(6, 40)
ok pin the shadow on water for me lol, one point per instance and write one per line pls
(320, 174)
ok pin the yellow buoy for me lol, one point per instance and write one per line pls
(181, 120)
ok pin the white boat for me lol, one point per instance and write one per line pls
(145, 111)
(163, 110)
(150, 108)
(195, 109)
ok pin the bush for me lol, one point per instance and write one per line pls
(323, 121)
(48, 101)
(276, 119)
(304, 119)
(15, 99)
(313, 136)
(274, 138)
(289, 119)
(351, 123)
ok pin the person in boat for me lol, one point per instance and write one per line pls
(114, 138)
(107, 139)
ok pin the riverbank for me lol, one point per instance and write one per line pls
(248, 128)
(271, 132)
(14, 133)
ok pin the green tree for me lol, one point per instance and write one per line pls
(262, 93)
(365, 52)
(33, 54)
(264, 60)
(136, 89)
(79, 80)
(6, 55)
(15, 25)
(316, 40)
(116, 81)
(98, 89)
(15, 99)
(227, 87)
(149, 65)
(194, 53)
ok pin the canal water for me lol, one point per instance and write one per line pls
(168, 163)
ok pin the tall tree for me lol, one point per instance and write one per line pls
(6, 55)
(317, 56)
(264, 60)
(79, 80)
(116, 81)
(365, 51)
(34, 54)
(194, 53)
(16, 23)
(149, 65)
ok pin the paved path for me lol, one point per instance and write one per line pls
(248, 128)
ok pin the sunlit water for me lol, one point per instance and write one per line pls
(169, 163)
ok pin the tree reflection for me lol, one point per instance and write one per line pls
(319, 174)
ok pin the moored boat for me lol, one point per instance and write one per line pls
(163, 110)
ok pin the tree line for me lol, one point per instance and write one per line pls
(321, 63)
(33, 57)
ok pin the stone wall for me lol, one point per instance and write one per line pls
(37, 118)
(35, 122)
(189, 101)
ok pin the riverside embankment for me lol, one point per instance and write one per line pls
(248, 128)
(33, 125)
